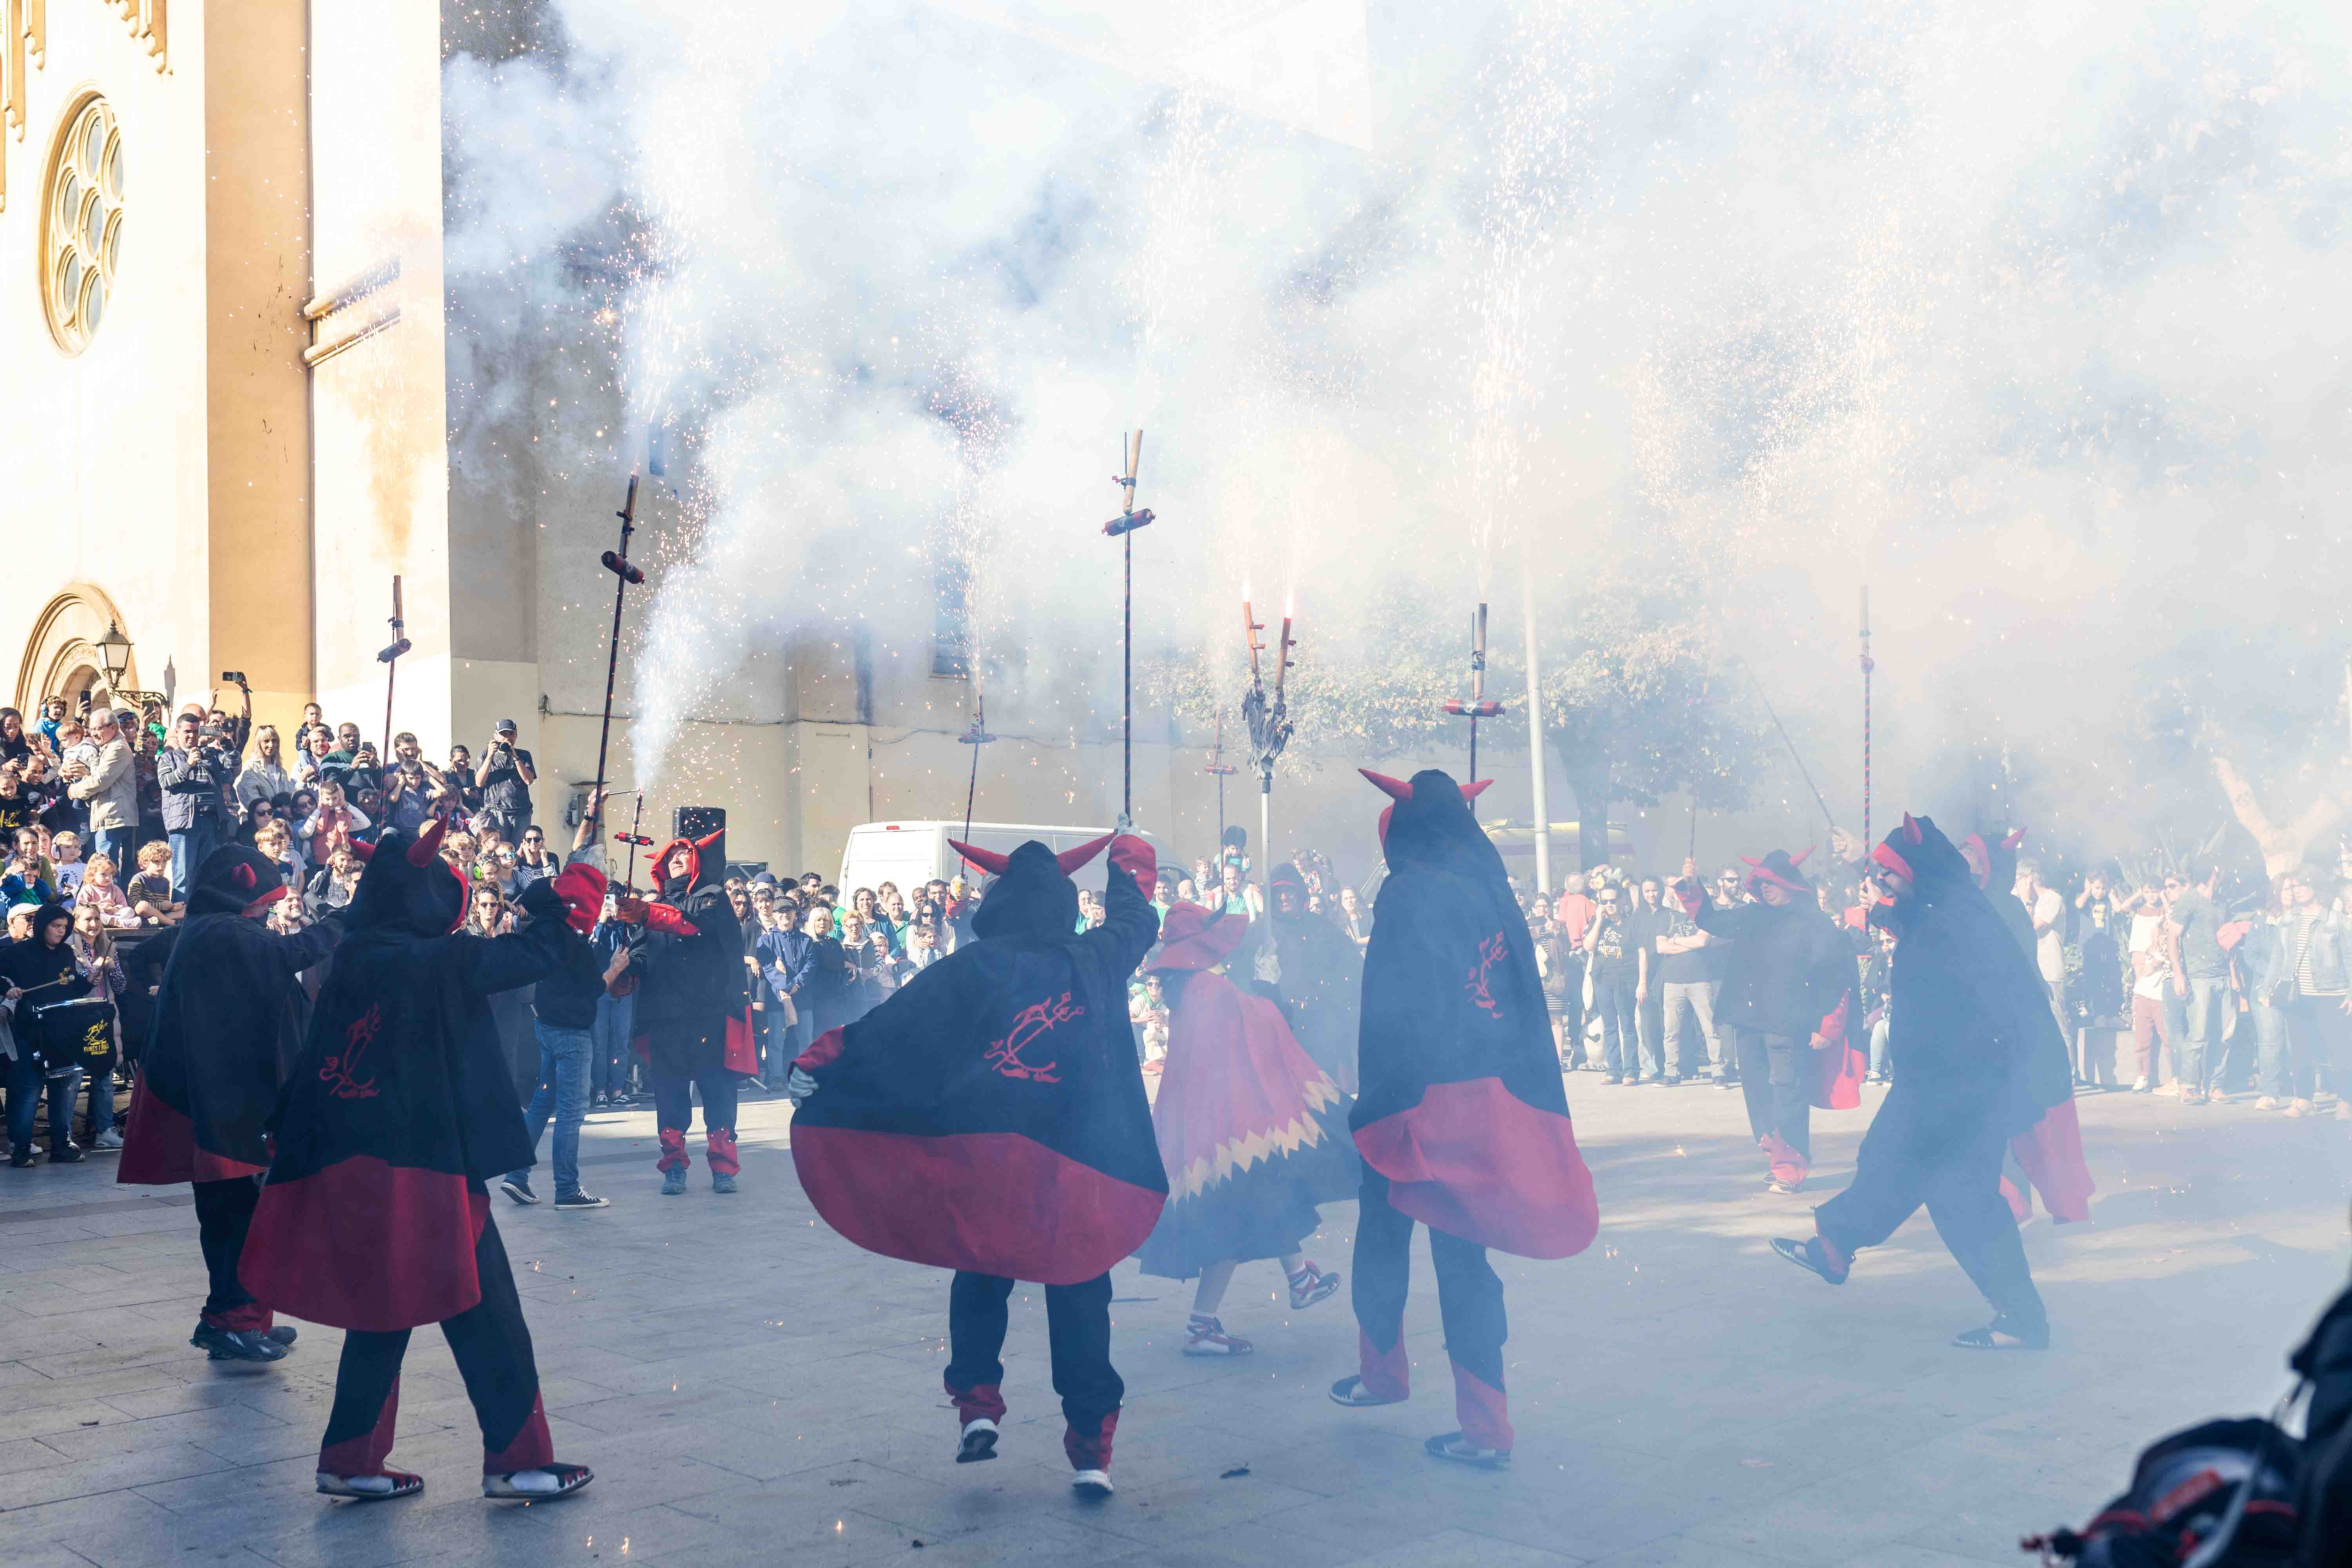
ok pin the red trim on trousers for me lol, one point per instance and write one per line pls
(1483, 1409)
(531, 1449)
(1090, 1450)
(1386, 1374)
(981, 1402)
(674, 1156)
(364, 1455)
(718, 1143)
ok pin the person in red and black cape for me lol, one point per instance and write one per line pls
(2047, 1157)
(990, 1118)
(691, 993)
(376, 1215)
(1461, 1120)
(206, 1087)
(1972, 1045)
(1252, 1131)
(1786, 991)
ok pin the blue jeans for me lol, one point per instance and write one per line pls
(26, 1088)
(608, 1055)
(1612, 997)
(119, 845)
(2206, 1000)
(563, 1089)
(190, 845)
(1878, 1048)
(2285, 1073)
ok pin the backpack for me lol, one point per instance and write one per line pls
(2191, 1505)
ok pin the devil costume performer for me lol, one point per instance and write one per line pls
(2047, 1157)
(376, 1215)
(1461, 1124)
(1975, 1062)
(990, 1118)
(1785, 996)
(694, 1008)
(202, 1098)
(1252, 1131)
(1317, 974)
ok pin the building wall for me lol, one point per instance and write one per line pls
(106, 461)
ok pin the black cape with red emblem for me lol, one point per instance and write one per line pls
(1461, 1105)
(1970, 1035)
(402, 1106)
(1252, 1131)
(208, 1080)
(692, 990)
(990, 1115)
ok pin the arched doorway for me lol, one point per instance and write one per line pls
(61, 657)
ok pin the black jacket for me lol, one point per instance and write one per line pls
(1786, 972)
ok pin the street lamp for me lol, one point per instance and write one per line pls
(114, 657)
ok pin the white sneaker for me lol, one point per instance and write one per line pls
(979, 1441)
(1092, 1484)
(2141, 1086)
(2266, 1103)
(109, 1139)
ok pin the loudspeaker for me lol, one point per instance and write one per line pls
(696, 822)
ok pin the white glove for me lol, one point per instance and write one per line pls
(799, 1087)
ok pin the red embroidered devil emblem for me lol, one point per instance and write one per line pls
(1490, 953)
(1037, 1019)
(341, 1072)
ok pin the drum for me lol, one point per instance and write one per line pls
(70, 1036)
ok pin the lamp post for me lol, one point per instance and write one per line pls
(114, 659)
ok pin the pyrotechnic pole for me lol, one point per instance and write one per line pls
(391, 660)
(1802, 770)
(1122, 528)
(1867, 667)
(1223, 770)
(1478, 708)
(976, 737)
(1535, 735)
(616, 562)
(1269, 726)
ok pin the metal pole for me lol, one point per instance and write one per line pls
(1867, 667)
(391, 672)
(1536, 738)
(619, 562)
(1264, 825)
(1126, 692)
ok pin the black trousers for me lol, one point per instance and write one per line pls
(1772, 1081)
(492, 1348)
(223, 1213)
(1959, 1182)
(1620, 1052)
(1469, 1303)
(1078, 1329)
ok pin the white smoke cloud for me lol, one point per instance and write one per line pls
(2033, 313)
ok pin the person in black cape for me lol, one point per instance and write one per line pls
(375, 1213)
(1461, 1120)
(1976, 1060)
(691, 988)
(990, 1118)
(1317, 976)
(1785, 996)
(201, 1099)
(38, 970)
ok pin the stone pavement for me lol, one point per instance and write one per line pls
(750, 1388)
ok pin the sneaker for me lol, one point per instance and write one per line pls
(69, 1155)
(1312, 1285)
(599, 1102)
(1207, 1337)
(1815, 1256)
(2301, 1108)
(236, 1344)
(1672, 1082)
(370, 1489)
(674, 1183)
(979, 1442)
(107, 1141)
(2142, 1085)
(2172, 1087)
(2344, 1110)
(21, 1160)
(2268, 1103)
(1784, 1188)
(1725, 1081)
(538, 1485)
(721, 1182)
(580, 1201)
(2192, 1097)
(519, 1189)
(1454, 1445)
(283, 1333)
(2020, 1336)
(1092, 1485)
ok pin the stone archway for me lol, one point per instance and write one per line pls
(61, 656)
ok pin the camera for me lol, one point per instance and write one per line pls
(232, 678)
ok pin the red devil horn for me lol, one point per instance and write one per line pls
(1911, 830)
(1395, 789)
(1473, 791)
(1799, 858)
(360, 850)
(1070, 860)
(702, 844)
(988, 860)
(1752, 861)
(428, 843)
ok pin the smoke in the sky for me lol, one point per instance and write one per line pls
(2034, 313)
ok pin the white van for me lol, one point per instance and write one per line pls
(911, 853)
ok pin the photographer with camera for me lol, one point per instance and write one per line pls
(195, 771)
(507, 778)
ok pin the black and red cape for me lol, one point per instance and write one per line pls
(990, 1115)
(208, 1079)
(402, 1106)
(1461, 1106)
